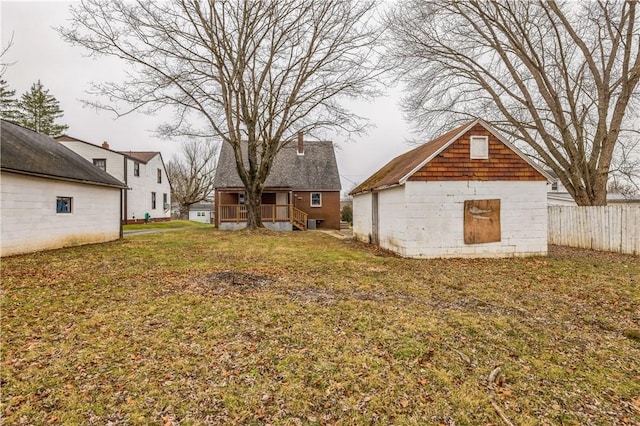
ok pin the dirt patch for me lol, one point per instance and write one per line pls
(370, 248)
(230, 282)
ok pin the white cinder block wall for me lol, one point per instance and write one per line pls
(362, 217)
(392, 220)
(30, 222)
(435, 216)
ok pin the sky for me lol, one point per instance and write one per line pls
(38, 53)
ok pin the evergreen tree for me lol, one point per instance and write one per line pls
(8, 103)
(38, 111)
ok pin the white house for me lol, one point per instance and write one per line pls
(144, 173)
(468, 193)
(51, 197)
(201, 212)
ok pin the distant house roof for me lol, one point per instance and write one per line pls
(143, 156)
(316, 170)
(201, 206)
(398, 170)
(27, 152)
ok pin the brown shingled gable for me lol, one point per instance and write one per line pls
(399, 167)
(453, 162)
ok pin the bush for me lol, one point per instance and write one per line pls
(347, 214)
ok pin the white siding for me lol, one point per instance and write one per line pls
(141, 187)
(30, 222)
(115, 161)
(362, 217)
(203, 216)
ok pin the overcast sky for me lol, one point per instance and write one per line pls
(38, 53)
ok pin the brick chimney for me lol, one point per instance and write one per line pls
(300, 143)
(105, 145)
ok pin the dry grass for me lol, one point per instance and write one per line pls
(203, 327)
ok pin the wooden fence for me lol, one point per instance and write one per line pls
(608, 228)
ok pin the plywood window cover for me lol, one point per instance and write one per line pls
(482, 221)
(479, 147)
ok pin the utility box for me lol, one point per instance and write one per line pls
(311, 224)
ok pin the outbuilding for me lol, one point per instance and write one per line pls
(51, 197)
(467, 193)
(201, 212)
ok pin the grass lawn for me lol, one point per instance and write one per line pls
(209, 327)
(164, 225)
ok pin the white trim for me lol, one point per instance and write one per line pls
(481, 145)
(521, 154)
(404, 179)
(488, 127)
(311, 199)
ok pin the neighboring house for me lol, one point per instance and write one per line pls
(149, 190)
(201, 212)
(468, 193)
(559, 196)
(51, 196)
(302, 190)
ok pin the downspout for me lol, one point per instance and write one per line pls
(125, 206)
(122, 195)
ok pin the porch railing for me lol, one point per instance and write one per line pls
(232, 213)
(269, 213)
(299, 218)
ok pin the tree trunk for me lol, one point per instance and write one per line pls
(184, 211)
(253, 202)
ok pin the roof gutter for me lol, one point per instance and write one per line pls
(62, 178)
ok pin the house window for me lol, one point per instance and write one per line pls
(479, 147)
(241, 198)
(101, 163)
(136, 168)
(316, 199)
(554, 186)
(153, 200)
(159, 175)
(165, 203)
(63, 204)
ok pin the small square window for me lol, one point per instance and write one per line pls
(241, 198)
(100, 163)
(479, 149)
(316, 199)
(136, 168)
(63, 204)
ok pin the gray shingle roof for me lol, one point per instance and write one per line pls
(27, 152)
(315, 170)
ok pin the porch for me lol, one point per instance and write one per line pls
(280, 217)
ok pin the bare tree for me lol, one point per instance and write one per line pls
(252, 73)
(561, 77)
(3, 52)
(192, 174)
